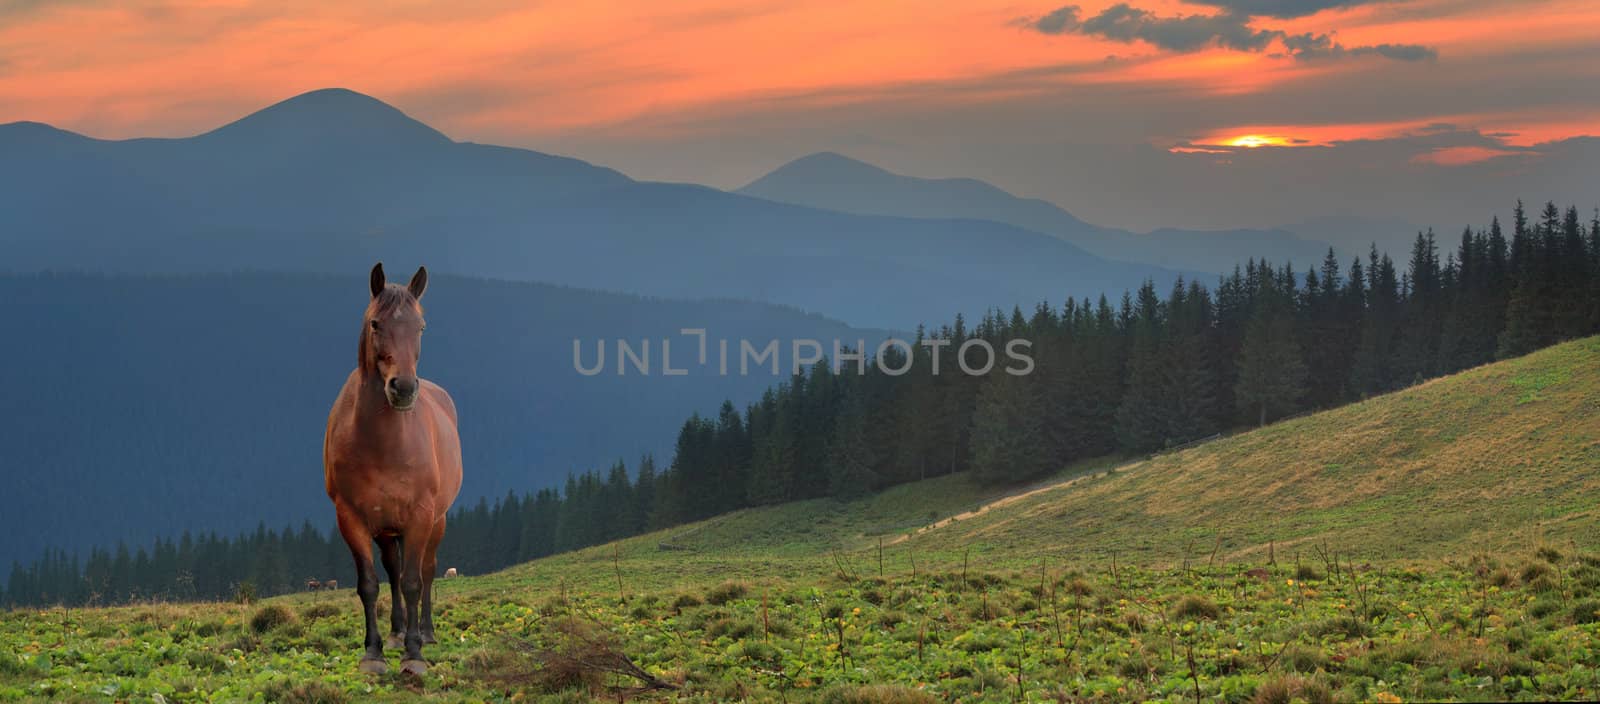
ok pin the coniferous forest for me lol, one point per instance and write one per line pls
(1153, 370)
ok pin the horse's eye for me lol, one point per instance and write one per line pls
(374, 325)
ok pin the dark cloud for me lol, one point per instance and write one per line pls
(1281, 9)
(1125, 23)
(1230, 30)
(1311, 47)
(1063, 19)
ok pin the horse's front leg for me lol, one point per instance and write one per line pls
(429, 571)
(414, 545)
(360, 543)
(389, 548)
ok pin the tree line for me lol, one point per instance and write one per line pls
(1151, 371)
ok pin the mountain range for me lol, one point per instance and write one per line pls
(837, 182)
(332, 180)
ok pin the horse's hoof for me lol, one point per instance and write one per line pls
(395, 641)
(375, 666)
(413, 667)
(428, 639)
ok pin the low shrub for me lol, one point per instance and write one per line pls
(1297, 657)
(1586, 611)
(285, 691)
(1544, 607)
(1196, 607)
(1535, 570)
(271, 617)
(726, 592)
(1293, 689)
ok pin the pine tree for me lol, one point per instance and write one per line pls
(1190, 352)
(1007, 435)
(1143, 418)
(1271, 371)
(1372, 369)
(731, 455)
(851, 454)
(772, 471)
(644, 496)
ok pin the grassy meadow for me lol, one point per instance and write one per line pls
(1440, 543)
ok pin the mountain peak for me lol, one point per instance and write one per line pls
(35, 131)
(830, 165)
(332, 114)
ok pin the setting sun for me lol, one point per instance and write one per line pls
(1252, 141)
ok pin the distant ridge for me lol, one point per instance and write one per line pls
(837, 182)
(332, 180)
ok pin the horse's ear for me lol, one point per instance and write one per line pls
(377, 279)
(419, 282)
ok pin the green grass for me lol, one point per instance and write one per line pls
(1471, 500)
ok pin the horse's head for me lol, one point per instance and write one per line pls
(391, 336)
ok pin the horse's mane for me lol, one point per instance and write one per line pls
(392, 299)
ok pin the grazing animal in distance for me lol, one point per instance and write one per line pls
(313, 585)
(451, 572)
(331, 584)
(391, 462)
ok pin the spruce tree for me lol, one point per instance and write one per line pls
(1271, 371)
(1007, 433)
(1143, 418)
(852, 456)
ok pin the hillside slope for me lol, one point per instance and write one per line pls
(1502, 456)
(1464, 492)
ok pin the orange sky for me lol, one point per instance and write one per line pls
(1411, 109)
(174, 68)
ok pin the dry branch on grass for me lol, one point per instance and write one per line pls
(584, 655)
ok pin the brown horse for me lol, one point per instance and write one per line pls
(392, 463)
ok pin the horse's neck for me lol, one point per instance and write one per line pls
(372, 413)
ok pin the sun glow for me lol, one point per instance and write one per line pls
(1251, 141)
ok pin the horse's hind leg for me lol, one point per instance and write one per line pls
(430, 569)
(360, 542)
(392, 566)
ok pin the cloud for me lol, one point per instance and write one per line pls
(1063, 19)
(1311, 47)
(1230, 29)
(1125, 23)
(1122, 22)
(1280, 9)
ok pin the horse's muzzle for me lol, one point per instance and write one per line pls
(402, 392)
